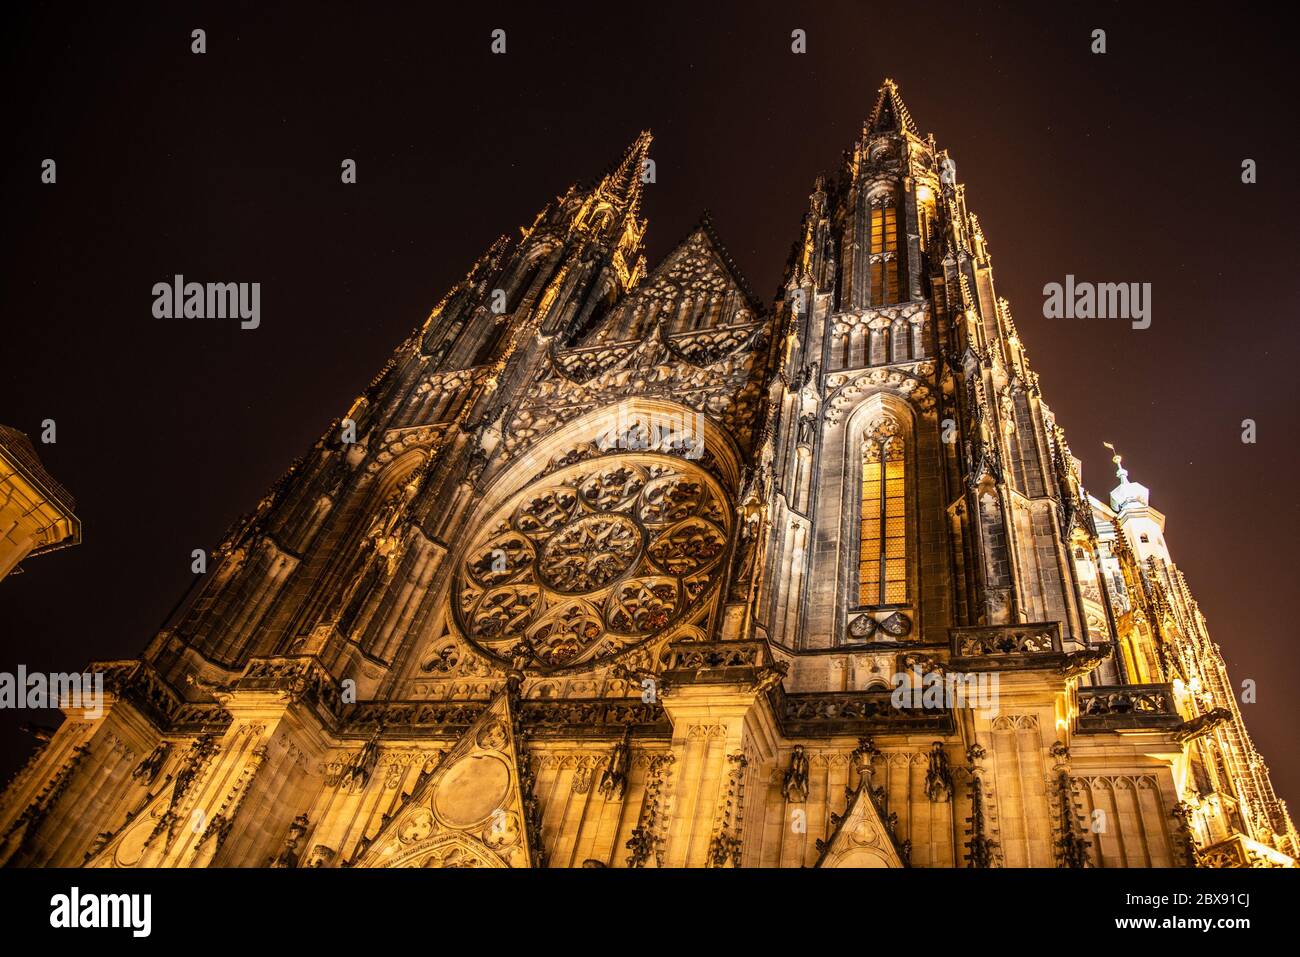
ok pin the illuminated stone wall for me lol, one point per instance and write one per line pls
(579, 581)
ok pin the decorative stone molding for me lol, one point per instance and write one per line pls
(850, 712)
(725, 846)
(846, 390)
(650, 834)
(1015, 722)
(1103, 708)
(586, 717)
(1006, 641)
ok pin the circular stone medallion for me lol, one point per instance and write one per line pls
(471, 790)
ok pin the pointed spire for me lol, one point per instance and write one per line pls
(890, 114)
(624, 180)
(613, 205)
(616, 195)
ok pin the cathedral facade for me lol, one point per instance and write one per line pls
(621, 567)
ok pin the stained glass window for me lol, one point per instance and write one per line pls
(884, 255)
(882, 556)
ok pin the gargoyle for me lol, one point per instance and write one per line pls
(769, 676)
(658, 685)
(1078, 663)
(1201, 725)
(220, 692)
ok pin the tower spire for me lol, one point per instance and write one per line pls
(622, 184)
(1118, 459)
(1126, 493)
(890, 114)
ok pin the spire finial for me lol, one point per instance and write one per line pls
(1118, 460)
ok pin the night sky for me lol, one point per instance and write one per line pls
(1122, 167)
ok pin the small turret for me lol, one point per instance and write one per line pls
(1144, 526)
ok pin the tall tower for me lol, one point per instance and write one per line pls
(1228, 805)
(610, 567)
(312, 570)
(929, 522)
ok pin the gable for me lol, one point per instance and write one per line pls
(861, 839)
(473, 810)
(697, 286)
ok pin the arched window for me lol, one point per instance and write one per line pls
(884, 255)
(882, 550)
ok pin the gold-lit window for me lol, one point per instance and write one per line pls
(882, 555)
(884, 255)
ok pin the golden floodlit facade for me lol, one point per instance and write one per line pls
(618, 567)
(35, 510)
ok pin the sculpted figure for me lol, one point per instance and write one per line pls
(795, 785)
(613, 780)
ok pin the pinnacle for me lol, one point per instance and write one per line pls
(890, 114)
(623, 180)
(634, 154)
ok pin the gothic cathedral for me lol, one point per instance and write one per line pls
(620, 567)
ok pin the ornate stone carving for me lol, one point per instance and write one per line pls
(288, 856)
(1128, 706)
(982, 849)
(648, 836)
(147, 770)
(613, 780)
(725, 845)
(938, 779)
(320, 856)
(592, 561)
(356, 773)
(794, 785)
(1071, 845)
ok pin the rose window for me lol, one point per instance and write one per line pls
(590, 553)
(592, 560)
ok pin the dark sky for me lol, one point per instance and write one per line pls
(1118, 167)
